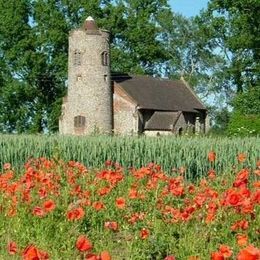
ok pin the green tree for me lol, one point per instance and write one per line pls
(188, 55)
(245, 119)
(220, 120)
(248, 102)
(17, 93)
(232, 29)
(34, 47)
(138, 46)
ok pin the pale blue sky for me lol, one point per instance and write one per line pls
(188, 7)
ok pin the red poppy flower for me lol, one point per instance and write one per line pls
(217, 256)
(177, 191)
(108, 163)
(242, 239)
(38, 211)
(144, 233)
(256, 196)
(247, 207)
(49, 205)
(243, 224)
(111, 225)
(98, 205)
(105, 255)
(7, 166)
(33, 253)
(42, 193)
(225, 251)
(211, 156)
(75, 214)
(12, 248)
(133, 193)
(30, 253)
(211, 174)
(170, 257)
(92, 257)
(210, 217)
(104, 191)
(233, 198)
(120, 203)
(83, 244)
(191, 188)
(241, 157)
(249, 253)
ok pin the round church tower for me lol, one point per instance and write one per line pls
(88, 106)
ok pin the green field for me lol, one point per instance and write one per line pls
(170, 152)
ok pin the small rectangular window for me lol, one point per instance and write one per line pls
(77, 58)
(79, 121)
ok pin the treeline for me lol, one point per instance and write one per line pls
(217, 52)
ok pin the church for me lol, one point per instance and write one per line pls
(99, 101)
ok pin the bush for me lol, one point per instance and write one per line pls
(248, 102)
(244, 125)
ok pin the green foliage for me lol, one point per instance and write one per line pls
(232, 30)
(244, 125)
(187, 58)
(220, 118)
(137, 46)
(245, 119)
(248, 102)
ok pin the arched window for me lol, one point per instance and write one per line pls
(79, 121)
(77, 58)
(104, 58)
(180, 131)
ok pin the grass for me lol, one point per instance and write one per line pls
(170, 152)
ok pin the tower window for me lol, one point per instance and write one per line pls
(105, 78)
(77, 58)
(104, 57)
(79, 121)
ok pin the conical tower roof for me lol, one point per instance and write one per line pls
(90, 25)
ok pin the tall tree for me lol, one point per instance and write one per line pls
(17, 94)
(33, 48)
(233, 31)
(187, 56)
(137, 45)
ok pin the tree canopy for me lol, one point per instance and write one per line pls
(217, 52)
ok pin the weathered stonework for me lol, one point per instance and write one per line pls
(124, 113)
(89, 89)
